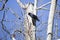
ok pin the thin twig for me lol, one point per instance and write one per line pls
(3, 26)
(3, 6)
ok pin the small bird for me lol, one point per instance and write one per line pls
(33, 16)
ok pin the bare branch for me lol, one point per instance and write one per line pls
(14, 13)
(4, 27)
(20, 31)
(45, 9)
(43, 5)
(20, 4)
(3, 5)
(6, 1)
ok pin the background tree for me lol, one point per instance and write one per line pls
(12, 20)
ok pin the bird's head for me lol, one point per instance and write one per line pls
(29, 13)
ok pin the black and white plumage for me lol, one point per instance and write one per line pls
(33, 16)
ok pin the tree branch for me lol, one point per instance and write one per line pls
(20, 4)
(43, 5)
(4, 27)
(3, 5)
(14, 13)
